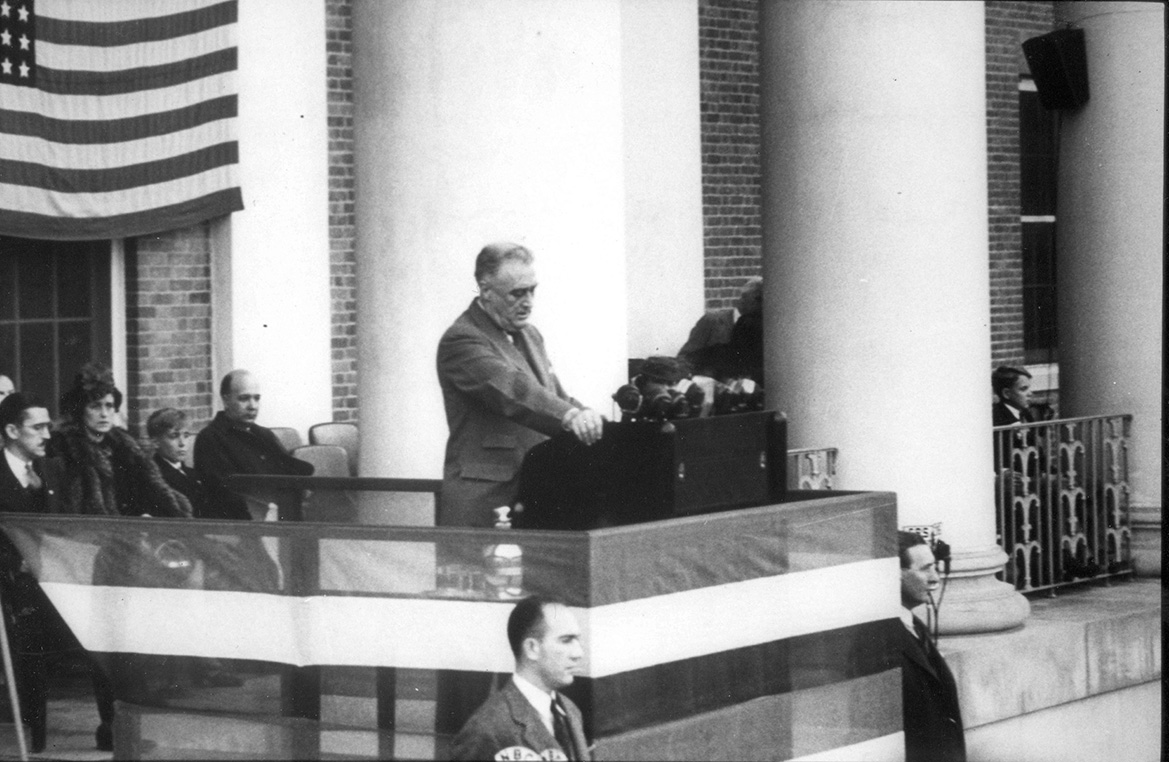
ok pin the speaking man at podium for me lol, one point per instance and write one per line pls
(500, 393)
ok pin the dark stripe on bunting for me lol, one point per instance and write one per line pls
(98, 131)
(667, 692)
(114, 33)
(118, 178)
(171, 217)
(646, 560)
(785, 726)
(62, 82)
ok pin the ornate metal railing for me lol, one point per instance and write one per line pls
(1061, 498)
(811, 468)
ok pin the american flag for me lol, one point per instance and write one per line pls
(117, 117)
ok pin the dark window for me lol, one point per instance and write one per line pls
(1037, 155)
(54, 312)
(1037, 175)
(1039, 292)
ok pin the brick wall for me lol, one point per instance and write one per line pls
(168, 325)
(1007, 25)
(728, 40)
(342, 259)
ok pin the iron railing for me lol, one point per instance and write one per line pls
(1061, 499)
(811, 468)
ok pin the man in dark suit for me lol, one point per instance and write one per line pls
(1012, 392)
(233, 443)
(728, 343)
(29, 483)
(929, 695)
(528, 718)
(499, 391)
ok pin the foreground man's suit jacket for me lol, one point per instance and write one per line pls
(929, 701)
(507, 720)
(497, 407)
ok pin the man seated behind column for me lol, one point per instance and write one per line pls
(929, 695)
(6, 386)
(233, 443)
(729, 342)
(499, 391)
(528, 718)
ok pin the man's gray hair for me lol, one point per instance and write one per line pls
(493, 255)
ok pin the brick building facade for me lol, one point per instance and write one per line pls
(168, 279)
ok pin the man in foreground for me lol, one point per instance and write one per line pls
(528, 718)
(929, 695)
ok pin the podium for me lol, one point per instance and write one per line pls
(752, 633)
(653, 470)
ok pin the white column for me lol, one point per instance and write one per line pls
(478, 122)
(278, 311)
(663, 173)
(1110, 242)
(875, 256)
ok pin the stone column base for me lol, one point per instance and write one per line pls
(1145, 523)
(974, 601)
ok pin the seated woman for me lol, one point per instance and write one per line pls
(107, 473)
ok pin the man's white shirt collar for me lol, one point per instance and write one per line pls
(1014, 411)
(907, 620)
(19, 467)
(537, 698)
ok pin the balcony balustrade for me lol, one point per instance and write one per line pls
(811, 468)
(1062, 501)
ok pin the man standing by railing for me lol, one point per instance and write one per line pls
(1012, 391)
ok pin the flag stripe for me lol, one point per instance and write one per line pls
(122, 10)
(165, 170)
(113, 203)
(108, 107)
(66, 82)
(111, 34)
(79, 57)
(68, 157)
(98, 131)
(146, 220)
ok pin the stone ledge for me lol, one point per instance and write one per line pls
(1083, 643)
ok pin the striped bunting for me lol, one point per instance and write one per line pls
(679, 618)
(116, 118)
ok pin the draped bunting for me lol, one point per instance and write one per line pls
(116, 118)
(764, 632)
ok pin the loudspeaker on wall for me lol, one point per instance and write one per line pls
(1059, 66)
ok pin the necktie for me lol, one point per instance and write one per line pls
(560, 727)
(34, 480)
(517, 338)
